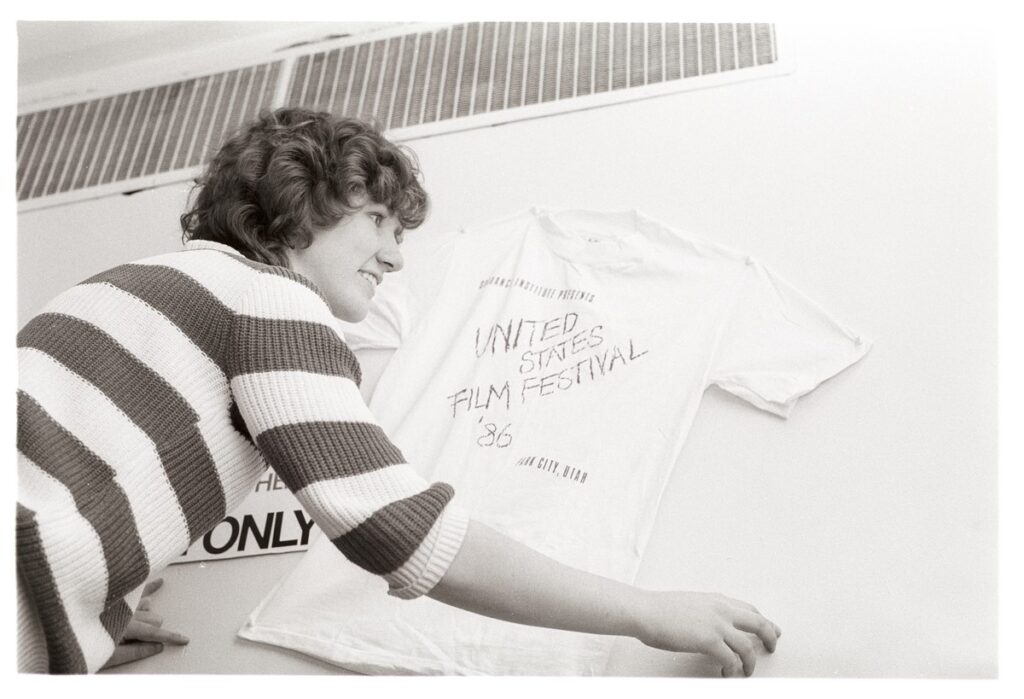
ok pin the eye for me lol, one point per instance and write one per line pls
(377, 218)
(399, 235)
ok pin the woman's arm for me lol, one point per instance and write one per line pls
(295, 383)
(501, 578)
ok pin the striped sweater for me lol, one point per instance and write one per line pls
(151, 399)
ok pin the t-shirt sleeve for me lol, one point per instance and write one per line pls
(295, 383)
(777, 345)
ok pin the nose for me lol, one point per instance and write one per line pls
(390, 256)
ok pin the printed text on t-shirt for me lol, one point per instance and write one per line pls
(549, 355)
(546, 292)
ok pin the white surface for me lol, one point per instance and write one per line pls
(865, 525)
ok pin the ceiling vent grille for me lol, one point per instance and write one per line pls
(132, 135)
(472, 69)
(416, 84)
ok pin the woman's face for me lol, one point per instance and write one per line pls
(348, 262)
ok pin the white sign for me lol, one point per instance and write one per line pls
(270, 520)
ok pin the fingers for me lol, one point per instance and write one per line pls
(755, 610)
(149, 617)
(742, 646)
(732, 666)
(759, 626)
(144, 636)
(130, 652)
(145, 632)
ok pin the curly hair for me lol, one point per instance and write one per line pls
(293, 172)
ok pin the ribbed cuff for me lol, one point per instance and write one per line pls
(432, 559)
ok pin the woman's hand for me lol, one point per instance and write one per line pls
(728, 630)
(144, 636)
(501, 578)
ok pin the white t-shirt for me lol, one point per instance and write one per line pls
(551, 372)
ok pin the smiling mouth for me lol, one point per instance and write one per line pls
(373, 279)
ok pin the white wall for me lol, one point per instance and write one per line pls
(865, 525)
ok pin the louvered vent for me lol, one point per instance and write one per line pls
(135, 134)
(415, 84)
(470, 69)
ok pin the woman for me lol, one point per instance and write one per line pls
(152, 397)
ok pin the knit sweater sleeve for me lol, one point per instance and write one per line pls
(296, 386)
